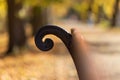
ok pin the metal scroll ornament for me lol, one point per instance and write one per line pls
(47, 44)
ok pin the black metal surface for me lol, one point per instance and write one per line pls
(48, 43)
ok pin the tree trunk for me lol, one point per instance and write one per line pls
(15, 26)
(36, 20)
(116, 9)
(39, 18)
(11, 19)
(19, 33)
(20, 37)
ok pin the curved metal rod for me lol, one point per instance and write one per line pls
(48, 43)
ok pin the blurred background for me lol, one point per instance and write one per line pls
(98, 21)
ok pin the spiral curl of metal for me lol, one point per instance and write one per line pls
(48, 43)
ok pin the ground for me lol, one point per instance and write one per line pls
(56, 64)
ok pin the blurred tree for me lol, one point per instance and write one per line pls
(36, 18)
(20, 37)
(72, 13)
(15, 26)
(115, 12)
(84, 8)
(11, 19)
(41, 12)
(39, 17)
(101, 14)
(90, 3)
(90, 11)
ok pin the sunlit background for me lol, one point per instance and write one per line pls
(98, 21)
